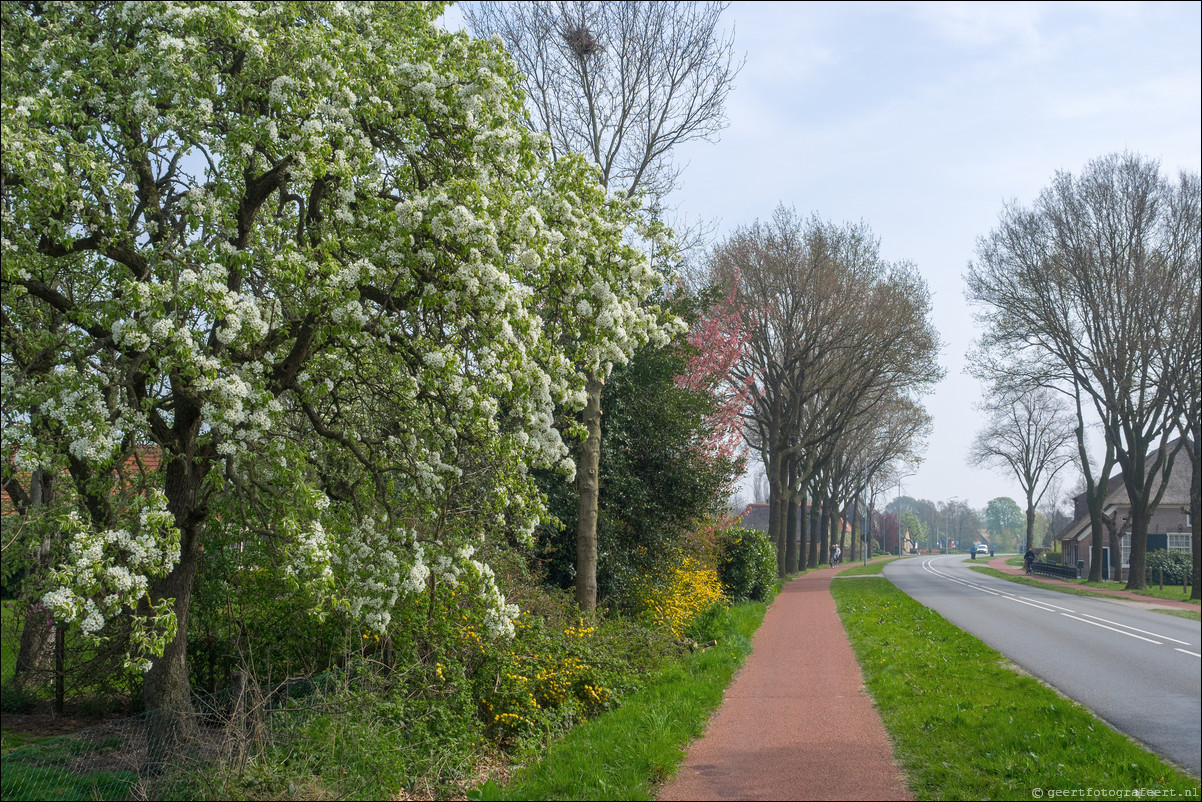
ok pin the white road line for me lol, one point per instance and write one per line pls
(1064, 611)
(927, 567)
(1049, 604)
(1146, 632)
(1112, 629)
(1036, 605)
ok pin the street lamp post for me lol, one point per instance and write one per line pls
(947, 519)
(897, 516)
(867, 534)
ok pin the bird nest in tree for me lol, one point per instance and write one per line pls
(582, 42)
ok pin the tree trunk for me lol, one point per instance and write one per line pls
(803, 525)
(857, 531)
(1195, 506)
(1139, 547)
(791, 537)
(1116, 554)
(777, 514)
(171, 720)
(843, 529)
(828, 542)
(823, 526)
(1030, 521)
(589, 488)
(791, 522)
(1095, 496)
(35, 654)
(815, 534)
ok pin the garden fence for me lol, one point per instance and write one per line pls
(110, 761)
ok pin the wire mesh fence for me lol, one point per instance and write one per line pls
(102, 762)
(122, 759)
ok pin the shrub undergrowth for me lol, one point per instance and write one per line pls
(746, 563)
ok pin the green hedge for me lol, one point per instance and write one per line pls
(1176, 565)
(746, 563)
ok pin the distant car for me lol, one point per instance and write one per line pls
(982, 549)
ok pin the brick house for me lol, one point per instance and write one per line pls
(1169, 527)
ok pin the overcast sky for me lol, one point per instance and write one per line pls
(921, 119)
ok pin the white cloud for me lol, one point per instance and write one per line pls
(973, 25)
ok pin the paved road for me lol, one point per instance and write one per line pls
(1139, 670)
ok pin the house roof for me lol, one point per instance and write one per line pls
(145, 459)
(1177, 493)
(755, 516)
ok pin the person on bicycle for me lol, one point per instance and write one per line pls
(1029, 559)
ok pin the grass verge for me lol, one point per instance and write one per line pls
(626, 752)
(1170, 592)
(873, 567)
(967, 726)
(1082, 588)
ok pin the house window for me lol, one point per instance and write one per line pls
(1180, 543)
(1126, 543)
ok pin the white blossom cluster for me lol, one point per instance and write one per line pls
(109, 571)
(375, 577)
(454, 288)
(498, 614)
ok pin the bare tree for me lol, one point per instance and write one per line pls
(1184, 358)
(1080, 293)
(837, 335)
(1053, 509)
(622, 84)
(1030, 435)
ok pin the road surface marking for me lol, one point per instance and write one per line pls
(1112, 629)
(1049, 604)
(1146, 632)
(1184, 651)
(927, 567)
(1036, 605)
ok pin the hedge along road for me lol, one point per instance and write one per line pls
(1138, 670)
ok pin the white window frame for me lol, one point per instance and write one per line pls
(1180, 542)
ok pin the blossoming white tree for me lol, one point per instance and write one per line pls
(297, 247)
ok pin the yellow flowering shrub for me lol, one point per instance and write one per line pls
(689, 588)
(541, 679)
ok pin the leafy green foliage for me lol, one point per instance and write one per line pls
(746, 563)
(656, 482)
(627, 752)
(1006, 524)
(1168, 566)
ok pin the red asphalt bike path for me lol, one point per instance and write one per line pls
(796, 722)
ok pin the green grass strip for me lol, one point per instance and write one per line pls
(874, 567)
(966, 725)
(627, 752)
(1082, 589)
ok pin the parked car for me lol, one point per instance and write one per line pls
(982, 549)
